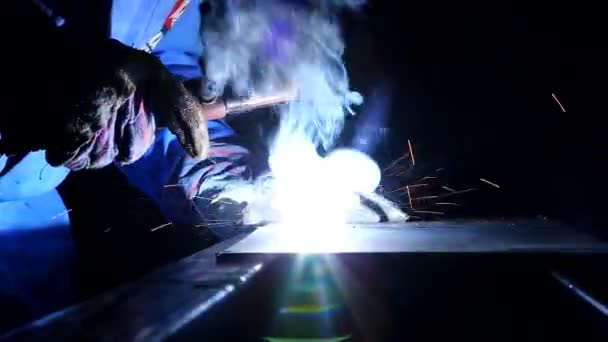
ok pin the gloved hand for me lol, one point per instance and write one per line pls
(108, 113)
(94, 102)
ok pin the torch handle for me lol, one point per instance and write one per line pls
(220, 107)
(236, 106)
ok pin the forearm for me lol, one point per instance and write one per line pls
(173, 180)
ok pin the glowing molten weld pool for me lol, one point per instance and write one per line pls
(309, 188)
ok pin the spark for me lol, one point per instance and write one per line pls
(205, 198)
(396, 169)
(448, 189)
(161, 226)
(403, 188)
(61, 214)
(491, 183)
(107, 230)
(426, 197)
(173, 185)
(448, 203)
(559, 103)
(395, 162)
(429, 177)
(397, 174)
(459, 192)
(212, 224)
(429, 212)
(212, 199)
(456, 192)
(409, 196)
(439, 169)
(409, 143)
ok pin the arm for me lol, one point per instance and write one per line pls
(165, 164)
(165, 173)
(78, 89)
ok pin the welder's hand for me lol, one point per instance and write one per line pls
(108, 113)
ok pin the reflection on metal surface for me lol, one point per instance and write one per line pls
(473, 236)
(150, 309)
(307, 309)
(250, 273)
(312, 305)
(580, 293)
(196, 311)
(333, 339)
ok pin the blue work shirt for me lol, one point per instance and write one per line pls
(30, 206)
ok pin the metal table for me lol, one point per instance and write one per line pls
(160, 304)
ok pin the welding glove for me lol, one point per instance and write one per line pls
(111, 117)
(102, 101)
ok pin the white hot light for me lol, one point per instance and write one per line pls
(316, 193)
(354, 171)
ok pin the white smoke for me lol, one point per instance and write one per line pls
(263, 46)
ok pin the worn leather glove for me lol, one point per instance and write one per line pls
(95, 101)
(109, 115)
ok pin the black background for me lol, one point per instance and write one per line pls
(471, 85)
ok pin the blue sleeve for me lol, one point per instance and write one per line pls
(155, 174)
(181, 48)
(28, 175)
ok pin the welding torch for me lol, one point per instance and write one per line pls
(220, 107)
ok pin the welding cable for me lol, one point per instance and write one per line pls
(580, 293)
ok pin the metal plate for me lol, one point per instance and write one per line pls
(459, 236)
(149, 309)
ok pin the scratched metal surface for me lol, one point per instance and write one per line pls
(456, 236)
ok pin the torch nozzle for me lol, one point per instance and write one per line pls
(235, 106)
(219, 107)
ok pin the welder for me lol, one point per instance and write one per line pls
(92, 84)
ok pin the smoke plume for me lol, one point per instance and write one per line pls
(262, 46)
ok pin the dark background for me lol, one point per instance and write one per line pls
(469, 84)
